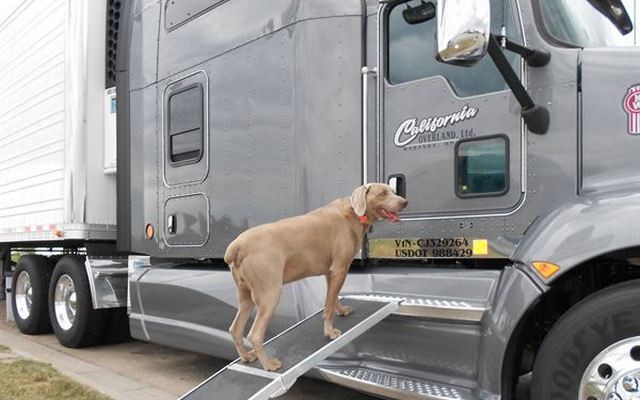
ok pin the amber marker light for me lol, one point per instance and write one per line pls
(58, 233)
(149, 231)
(545, 269)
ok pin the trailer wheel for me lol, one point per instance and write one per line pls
(75, 322)
(30, 288)
(593, 351)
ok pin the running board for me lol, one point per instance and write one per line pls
(299, 348)
(391, 385)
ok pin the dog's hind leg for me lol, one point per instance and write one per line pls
(245, 305)
(266, 302)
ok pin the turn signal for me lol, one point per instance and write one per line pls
(545, 269)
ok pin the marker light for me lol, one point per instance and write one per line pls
(149, 231)
(545, 269)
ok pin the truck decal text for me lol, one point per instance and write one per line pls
(410, 129)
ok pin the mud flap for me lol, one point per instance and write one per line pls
(299, 348)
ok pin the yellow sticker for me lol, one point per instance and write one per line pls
(480, 247)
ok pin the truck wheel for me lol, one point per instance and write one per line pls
(75, 322)
(593, 351)
(29, 288)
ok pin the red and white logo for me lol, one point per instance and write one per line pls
(631, 105)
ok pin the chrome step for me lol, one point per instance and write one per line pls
(425, 307)
(391, 385)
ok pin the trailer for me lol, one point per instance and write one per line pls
(511, 126)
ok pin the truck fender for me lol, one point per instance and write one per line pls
(587, 227)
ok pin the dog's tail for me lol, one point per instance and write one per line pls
(231, 253)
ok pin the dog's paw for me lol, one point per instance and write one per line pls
(272, 364)
(249, 357)
(344, 311)
(333, 333)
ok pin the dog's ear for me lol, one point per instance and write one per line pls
(359, 200)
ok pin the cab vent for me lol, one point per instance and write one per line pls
(114, 11)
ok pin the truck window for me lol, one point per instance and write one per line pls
(481, 166)
(185, 123)
(412, 48)
(577, 23)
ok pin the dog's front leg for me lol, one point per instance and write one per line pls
(335, 280)
(341, 309)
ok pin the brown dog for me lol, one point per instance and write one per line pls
(321, 242)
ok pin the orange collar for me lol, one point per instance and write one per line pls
(364, 220)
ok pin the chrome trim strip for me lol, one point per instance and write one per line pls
(422, 307)
(365, 71)
(217, 333)
(379, 97)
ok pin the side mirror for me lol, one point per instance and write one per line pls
(463, 31)
(416, 15)
(615, 12)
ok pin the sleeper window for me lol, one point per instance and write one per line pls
(185, 122)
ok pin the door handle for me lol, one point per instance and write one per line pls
(398, 184)
(171, 224)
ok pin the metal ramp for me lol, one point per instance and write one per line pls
(299, 348)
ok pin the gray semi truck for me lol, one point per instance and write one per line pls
(511, 126)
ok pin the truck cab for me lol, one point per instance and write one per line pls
(511, 126)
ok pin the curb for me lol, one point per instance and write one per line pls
(109, 383)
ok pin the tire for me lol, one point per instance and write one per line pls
(74, 321)
(29, 289)
(594, 324)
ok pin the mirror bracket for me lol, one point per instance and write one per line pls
(536, 117)
(533, 57)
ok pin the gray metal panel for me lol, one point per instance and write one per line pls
(585, 228)
(145, 171)
(190, 218)
(429, 165)
(283, 116)
(516, 295)
(143, 60)
(192, 309)
(610, 154)
(236, 23)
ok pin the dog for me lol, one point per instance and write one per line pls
(322, 242)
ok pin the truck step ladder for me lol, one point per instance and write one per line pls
(299, 348)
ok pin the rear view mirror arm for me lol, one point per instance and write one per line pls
(533, 57)
(535, 117)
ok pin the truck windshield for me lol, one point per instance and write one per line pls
(577, 23)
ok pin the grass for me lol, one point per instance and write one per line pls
(31, 380)
(4, 349)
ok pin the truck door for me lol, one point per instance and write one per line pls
(451, 135)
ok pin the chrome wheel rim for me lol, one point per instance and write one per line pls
(65, 302)
(24, 295)
(614, 374)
